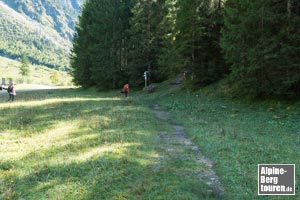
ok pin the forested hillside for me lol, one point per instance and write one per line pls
(41, 29)
(254, 45)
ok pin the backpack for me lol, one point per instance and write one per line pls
(9, 89)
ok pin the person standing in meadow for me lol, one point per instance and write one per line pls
(11, 92)
(126, 89)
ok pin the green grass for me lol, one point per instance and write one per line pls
(74, 144)
(37, 74)
(238, 136)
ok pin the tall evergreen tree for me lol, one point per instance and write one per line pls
(198, 26)
(168, 64)
(80, 57)
(99, 52)
(261, 40)
(24, 68)
(145, 39)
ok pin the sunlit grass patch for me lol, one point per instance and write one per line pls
(48, 102)
(37, 74)
(75, 144)
(237, 136)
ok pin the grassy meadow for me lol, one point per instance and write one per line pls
(10, 69)
(75, 144)
(238, 135)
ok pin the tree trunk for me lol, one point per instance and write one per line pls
(149, 34)
(289, 8)
(262, 20)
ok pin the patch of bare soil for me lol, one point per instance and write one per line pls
(175, 145)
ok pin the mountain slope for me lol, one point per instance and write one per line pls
(10, 69)
(41, 29)
(57, 14)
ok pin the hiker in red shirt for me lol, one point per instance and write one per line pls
(126, 89)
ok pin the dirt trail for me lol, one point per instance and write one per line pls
(177, 146)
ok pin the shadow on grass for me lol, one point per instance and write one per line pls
(109, 177)
(106, 153)
(40, 115)
(101, 178)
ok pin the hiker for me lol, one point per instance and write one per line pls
(11, 92)
(126, 90)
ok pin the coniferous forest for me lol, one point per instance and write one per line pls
(254, 46)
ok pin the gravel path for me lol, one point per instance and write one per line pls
(176, 145)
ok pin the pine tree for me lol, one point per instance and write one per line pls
(100, 46)
(145, 39)
(168, 65)
(109, 52)
(80, 57)
(24, 68)
(261, 41)
(198, 27)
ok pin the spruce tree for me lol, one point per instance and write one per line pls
(261, 40)
(198, 27)
(80, 56)
(24, 68)
(100, 46)
(168, 65)
(145, 39)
